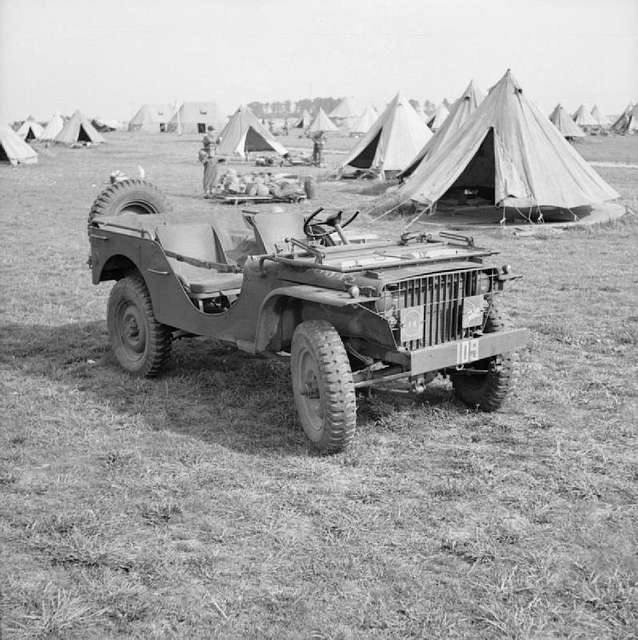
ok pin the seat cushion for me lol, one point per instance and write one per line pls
(200, 281)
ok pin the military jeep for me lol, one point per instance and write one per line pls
(350, 314)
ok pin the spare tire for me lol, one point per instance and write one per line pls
(132, 195)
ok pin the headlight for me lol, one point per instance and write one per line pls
(388, 306)
(484, 283)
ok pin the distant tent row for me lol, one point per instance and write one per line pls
(30, 130)
(600, 119)
(394, 139)
(304, 121)
(439, 117)
(322, 122)
(627, 122)
(346, 113)
(196, 117)
(348, 116)
(190, 117)
(363, 123)
(564, 123)
(78, 129)
(151, 117)
(54, 126)
(14, 149)
(244, 133)
(509, 151)
(584, 119)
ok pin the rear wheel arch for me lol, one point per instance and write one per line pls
(117, 267)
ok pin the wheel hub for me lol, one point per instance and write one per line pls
(311, 389)
(132, 330)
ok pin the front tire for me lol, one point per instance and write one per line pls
(322, 386)
(141, 344)
(487, 391)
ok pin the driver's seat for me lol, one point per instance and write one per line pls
(272, 229)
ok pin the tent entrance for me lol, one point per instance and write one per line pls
(201, 127)
(477, 180)
(83, 136)
(365, 159)
(3, 155)
(255, 141)
(30, 135)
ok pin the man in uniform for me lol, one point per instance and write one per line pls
(317, 149)
(207, 158)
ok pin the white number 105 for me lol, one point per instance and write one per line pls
(467, 351)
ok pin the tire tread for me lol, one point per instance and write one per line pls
(108, 199)
(159, 335)
(500, 377)
(340, 418)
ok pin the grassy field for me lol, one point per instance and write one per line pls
(191, 506)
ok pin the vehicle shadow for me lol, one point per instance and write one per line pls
(209, 391)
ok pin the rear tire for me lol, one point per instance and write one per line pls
(487, 391)
(141, 344)
(131, 195)
(322, 386)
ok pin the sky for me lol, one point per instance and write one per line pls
(109, 58)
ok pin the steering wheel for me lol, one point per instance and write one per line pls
(318, 230)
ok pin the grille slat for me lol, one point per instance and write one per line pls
(441, 296)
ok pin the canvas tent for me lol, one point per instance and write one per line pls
(601, 120)
(346, 113)
(153, 118)
(244, 133)
(391, 142)
(563, 122)
(77, 129)
(196, 117)
(322, 122)
(54, 126)
(437, 120)
(584, 119)
(460, 111)
(108, 124)
(511, 152)
(13, 149)
(363, 123)
(627, 122)
(30, 130)
(304, 121)
(419, 109)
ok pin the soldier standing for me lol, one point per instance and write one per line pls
(208, 159)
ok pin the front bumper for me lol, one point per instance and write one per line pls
(462, 352)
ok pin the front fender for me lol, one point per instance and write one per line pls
(285, 307)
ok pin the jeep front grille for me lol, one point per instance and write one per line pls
(441, 296)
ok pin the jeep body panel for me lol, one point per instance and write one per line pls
(278, 293)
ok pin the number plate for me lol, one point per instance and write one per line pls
(467, 351)
(411, 323)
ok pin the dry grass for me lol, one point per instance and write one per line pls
(191, 506)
